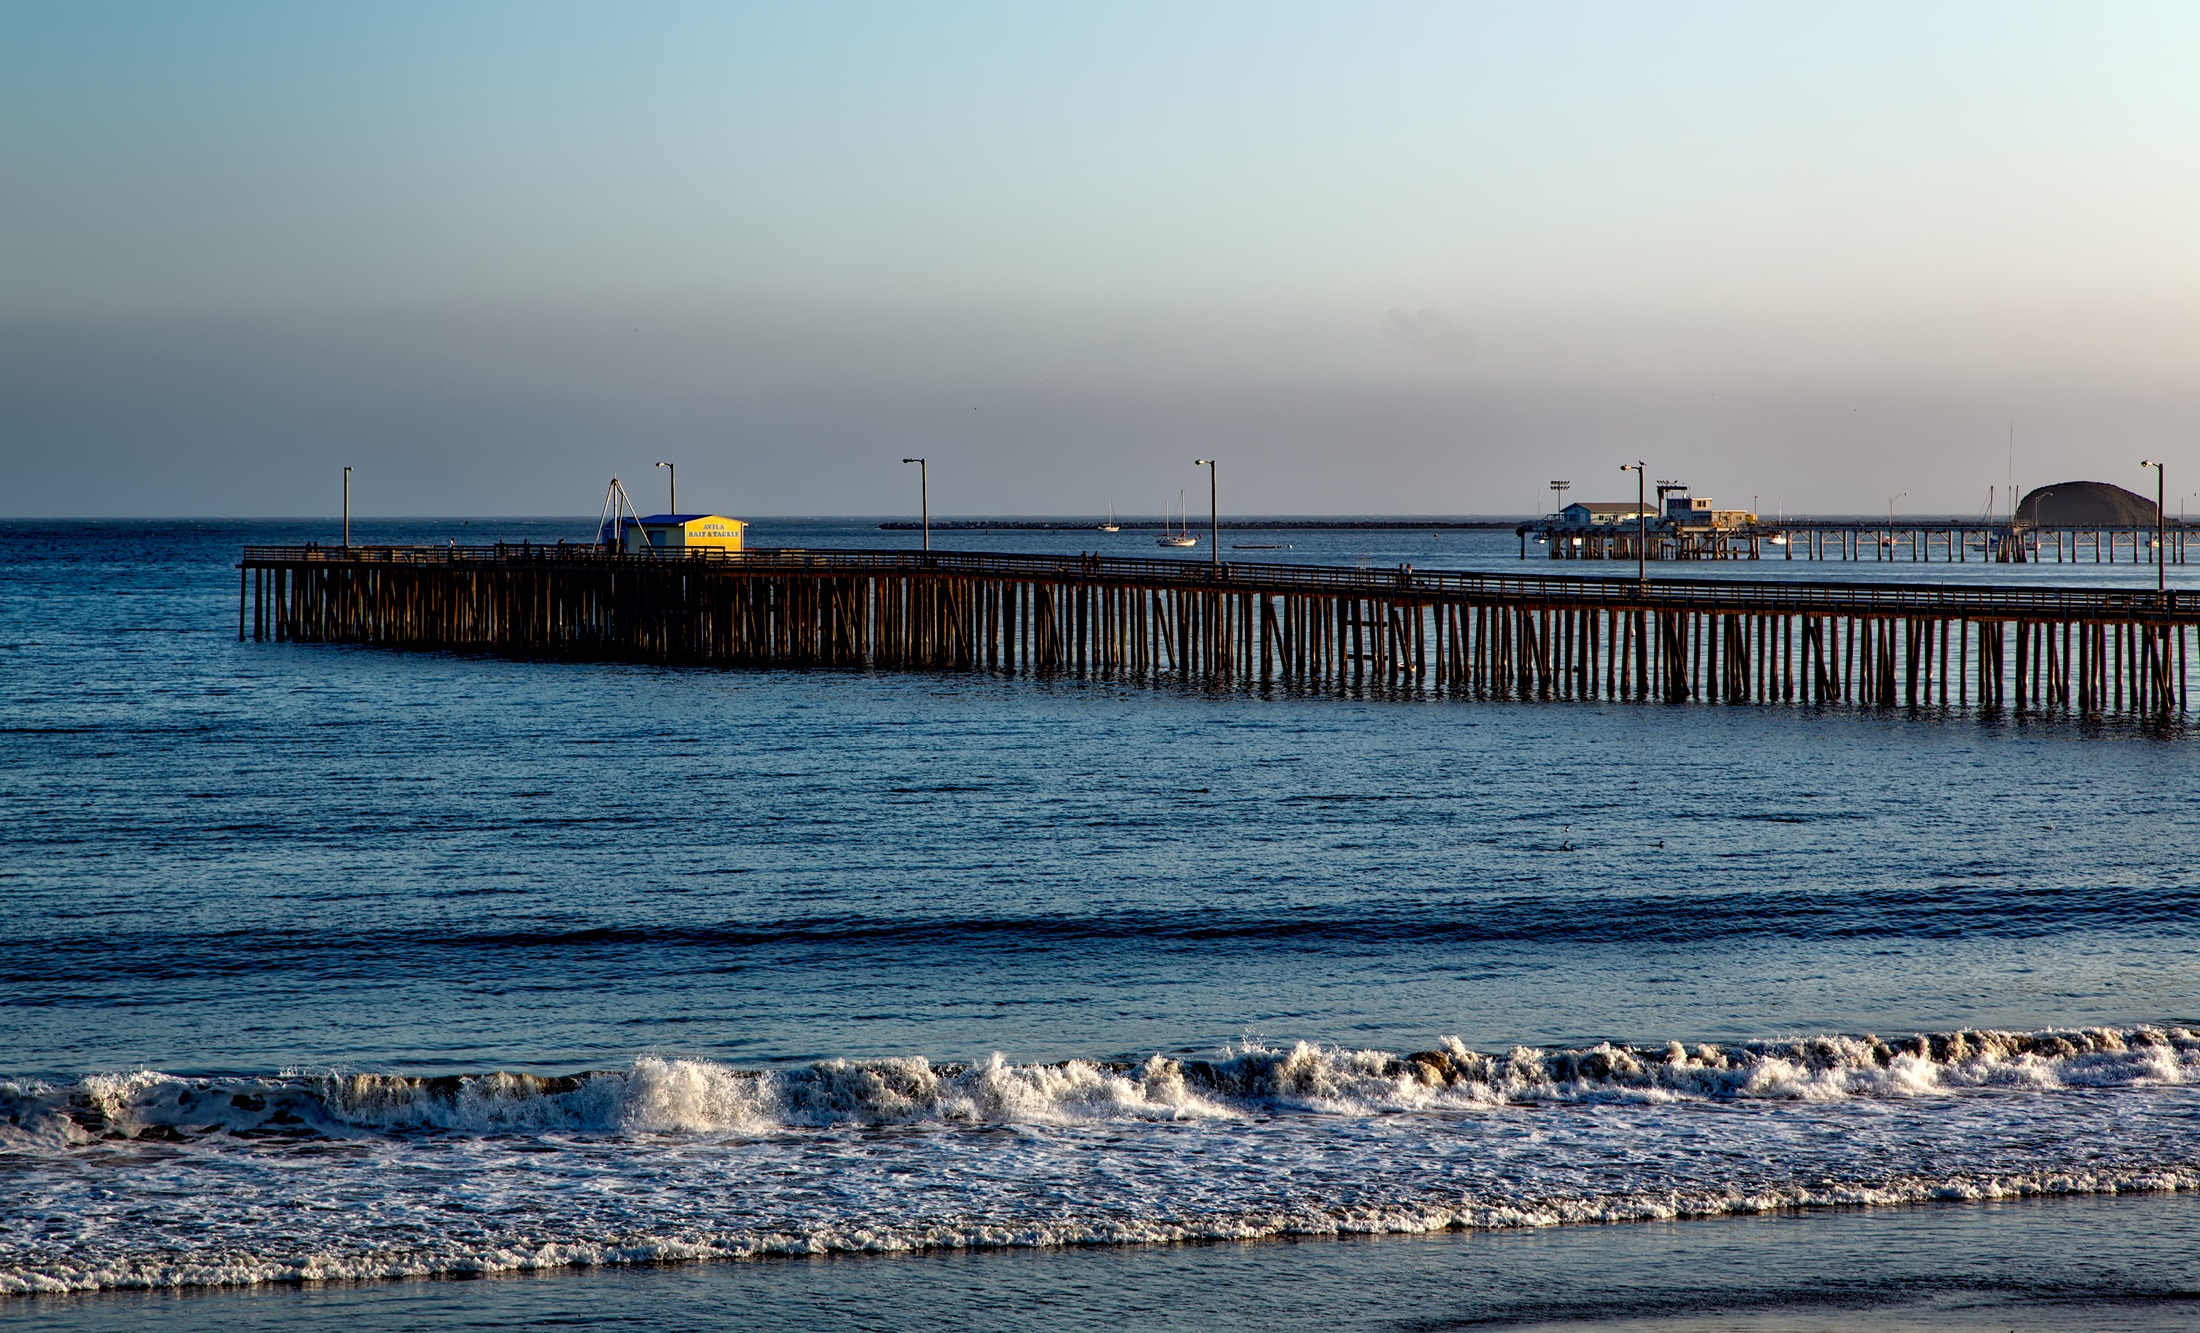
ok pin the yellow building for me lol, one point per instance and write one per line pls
(683, 532)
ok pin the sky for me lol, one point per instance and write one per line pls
(1377, 258)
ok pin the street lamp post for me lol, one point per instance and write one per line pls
(924, 496)
(1214, 514)
(347, 508)
(2161, 533)
(1642, 527)
(672, 478)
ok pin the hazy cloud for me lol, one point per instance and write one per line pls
(1430, 333)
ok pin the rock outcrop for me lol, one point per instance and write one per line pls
(2085, 504)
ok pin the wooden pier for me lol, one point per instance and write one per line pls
(2027, 649)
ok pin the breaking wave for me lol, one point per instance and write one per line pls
(308, 1177)
(674, 1096)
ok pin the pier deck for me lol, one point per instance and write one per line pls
(2089, 651)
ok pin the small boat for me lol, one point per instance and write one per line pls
(1111, 525)
(1182, 536)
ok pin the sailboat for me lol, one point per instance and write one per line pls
(1111, 525)
(1182, 536)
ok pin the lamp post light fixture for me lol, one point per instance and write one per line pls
(1558, 490)
(2161, 535)
(1642, 527)
(1214, 514)
(672, 479)
(924, 496)
(347, 508)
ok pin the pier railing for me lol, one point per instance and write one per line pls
(1485, 635)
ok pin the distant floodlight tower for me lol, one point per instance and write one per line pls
(1559, 489)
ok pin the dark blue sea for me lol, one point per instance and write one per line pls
(343, 986)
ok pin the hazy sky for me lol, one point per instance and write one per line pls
(1382, 258)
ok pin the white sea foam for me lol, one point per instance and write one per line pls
(244, 1268)
(671, 1096)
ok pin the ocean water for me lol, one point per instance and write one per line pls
(789, 999)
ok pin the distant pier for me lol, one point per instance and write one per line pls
(1945, 541)
(2025, 649)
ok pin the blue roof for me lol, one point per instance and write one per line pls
(663, 520)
